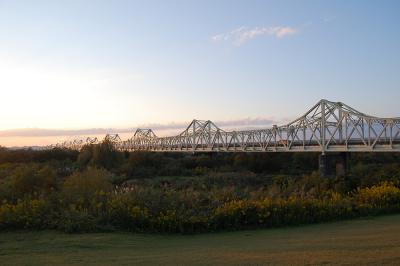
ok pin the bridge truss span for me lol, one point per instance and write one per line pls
(326, 127)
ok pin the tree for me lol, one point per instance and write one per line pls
(29, 179)
(82, 186)
(103, 155)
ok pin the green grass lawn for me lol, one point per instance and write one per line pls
(364, 241)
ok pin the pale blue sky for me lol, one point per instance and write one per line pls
(83, 64)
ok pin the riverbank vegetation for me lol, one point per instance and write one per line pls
(100, 189)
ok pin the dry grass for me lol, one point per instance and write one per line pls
(364, 241)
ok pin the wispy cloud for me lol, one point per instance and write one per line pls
(169, 127)
(328, 19)
(243, 34)
(237, 123)
(40, 132)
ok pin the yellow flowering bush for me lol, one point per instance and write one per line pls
(378, 198)
(165, 209)
(30, 213)
(380, 195)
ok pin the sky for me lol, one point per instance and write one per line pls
(78, 65)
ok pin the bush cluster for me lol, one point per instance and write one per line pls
(93, 206)
(101, 189)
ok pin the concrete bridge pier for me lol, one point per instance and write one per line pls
(337, 161)
(323, 165)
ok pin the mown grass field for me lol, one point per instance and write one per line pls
(364, 241)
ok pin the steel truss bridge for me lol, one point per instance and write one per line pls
(326, 127)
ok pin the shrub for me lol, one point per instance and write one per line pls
(75, 221)
(382, 197)
(123, 213)
(100, 155)
(27, 180)
(89, 202)
(25, 214)
(81, 188)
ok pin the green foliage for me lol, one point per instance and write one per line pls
(30, 156)
(139, 208)
(178, 193)
(101, 155)
(81, 187)
(25, 214)
(26, 180)
(74, 221)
